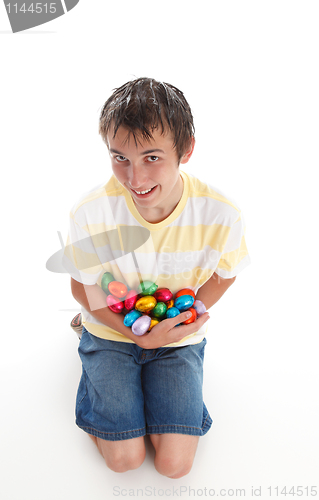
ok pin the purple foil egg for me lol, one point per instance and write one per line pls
(141, 325)
(199, 307)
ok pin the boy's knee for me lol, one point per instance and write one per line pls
(121, 456)
(122, 462)
(173, 467)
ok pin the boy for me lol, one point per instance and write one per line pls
(185, 234)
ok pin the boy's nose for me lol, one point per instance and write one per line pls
(137, 176)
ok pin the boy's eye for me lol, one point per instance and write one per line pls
(120, 158)
(152, 158)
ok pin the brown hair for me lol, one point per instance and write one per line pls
(143, 105)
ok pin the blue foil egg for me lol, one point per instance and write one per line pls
(184, 302)
(172, 312)
(141, 325)
(130, 317)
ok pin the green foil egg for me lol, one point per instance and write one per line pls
(106, 279)
(159, 310)
(147, 288)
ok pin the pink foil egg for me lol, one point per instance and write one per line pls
(199, 307)
(163, 295)
(114, 304)
(130, 300)
(141, 325)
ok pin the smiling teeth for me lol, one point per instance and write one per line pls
(143, 192)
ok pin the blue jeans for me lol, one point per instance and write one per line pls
(126, 391)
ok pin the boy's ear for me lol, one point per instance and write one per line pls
(186, 156)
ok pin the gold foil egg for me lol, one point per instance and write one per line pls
(154, 322)
(146, 303)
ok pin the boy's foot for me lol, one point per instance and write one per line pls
(76, 324)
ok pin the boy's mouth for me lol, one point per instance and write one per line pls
(145, 193)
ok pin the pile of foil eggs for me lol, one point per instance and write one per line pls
(148, 305)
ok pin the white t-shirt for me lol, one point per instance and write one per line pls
(204, 234)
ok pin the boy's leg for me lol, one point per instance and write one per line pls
(110, 402)
(174, 453)
(175, 413)
(121, 456)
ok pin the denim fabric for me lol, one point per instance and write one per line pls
(126, 391)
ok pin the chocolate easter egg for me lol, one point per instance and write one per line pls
(184, 302)
(185, 291)
(172, 312)
(159, 310)
(154, 322)
(170, 303)
(114, 304)
(147, 287)
(130, 300)
(163, 295)
(141, 325)
(199, 306)
(146, 303)
(106, 279)
(118, 289)
(192, 318)
(130, 317)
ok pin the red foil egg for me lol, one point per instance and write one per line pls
(117, 289)
(163, 295)
(192, 318)
(185, 291)
(130, 300)
(114, 304)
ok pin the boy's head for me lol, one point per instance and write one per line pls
(144, 105)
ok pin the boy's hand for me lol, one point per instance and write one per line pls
(165, 332)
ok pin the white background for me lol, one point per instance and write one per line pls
(249, 70)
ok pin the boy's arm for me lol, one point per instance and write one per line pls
(93, 299)
(213, 290)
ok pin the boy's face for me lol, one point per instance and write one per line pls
(149, 171)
